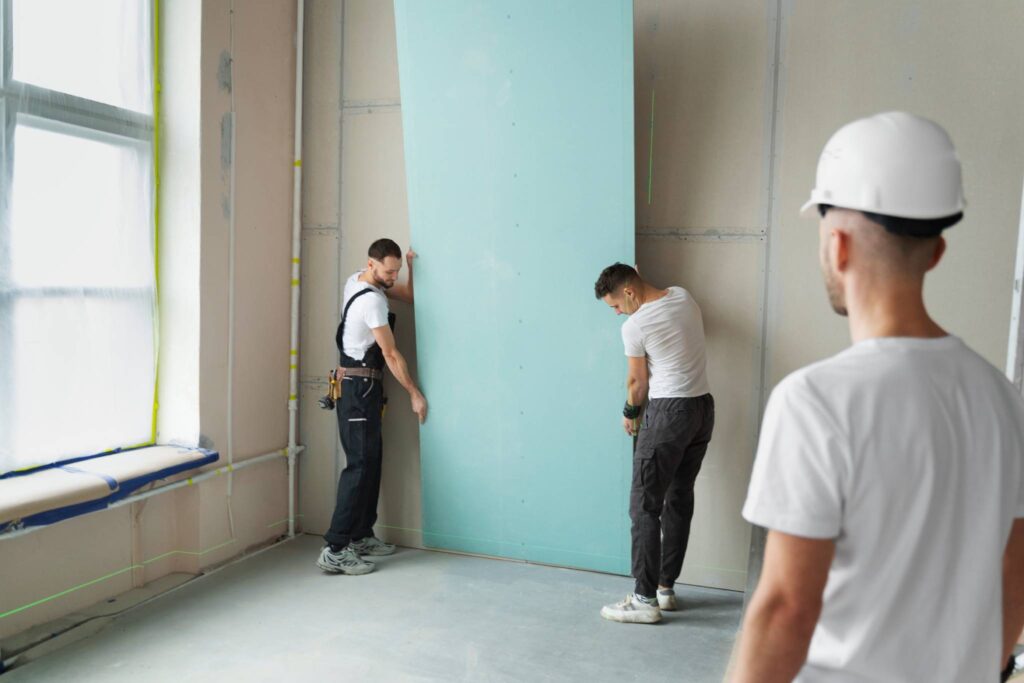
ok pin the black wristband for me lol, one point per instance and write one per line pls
(630, 411)
(1008, 671)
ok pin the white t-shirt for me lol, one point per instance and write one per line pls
(368, 312)
(908, 452)
(670, 332)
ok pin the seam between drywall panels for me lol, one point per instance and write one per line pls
(779, 17)
(779, 13)
(341, 210)
(730, 235)
(372, 109)
(381, 103)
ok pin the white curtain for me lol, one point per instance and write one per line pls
(77, 259)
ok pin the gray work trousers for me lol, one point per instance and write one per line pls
(669, 451)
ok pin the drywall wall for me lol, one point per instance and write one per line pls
(745, 95)
(214, 49)
(703, 69)
(932, 58)
(354, 193)
(681, 229)
(516, 205)
(838, 62)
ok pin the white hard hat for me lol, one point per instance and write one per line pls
(893, 164)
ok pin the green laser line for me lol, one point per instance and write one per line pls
(283, 521)
(111, 575)
(650, 153)
(65, 592)
(200, 553)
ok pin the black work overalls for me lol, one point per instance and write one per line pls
(360, 410)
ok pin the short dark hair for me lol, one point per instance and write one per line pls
(613, 278)
(923, 228)
(383, 248)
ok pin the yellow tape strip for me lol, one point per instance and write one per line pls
(157, 89)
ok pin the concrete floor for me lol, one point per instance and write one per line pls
(422, 616)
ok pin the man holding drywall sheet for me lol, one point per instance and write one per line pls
(664, 340)
(889, 476)
(366, 343)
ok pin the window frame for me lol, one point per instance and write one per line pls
(78, 117)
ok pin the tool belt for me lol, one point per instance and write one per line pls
(373, 355)
(361, 372)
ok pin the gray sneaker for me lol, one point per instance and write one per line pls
(632, 610)
(371, 545)
(345, 561)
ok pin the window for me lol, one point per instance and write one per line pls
(77, 231)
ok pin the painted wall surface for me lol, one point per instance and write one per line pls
(208, 52)
(518, 139)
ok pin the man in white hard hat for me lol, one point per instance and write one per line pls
(889, 476)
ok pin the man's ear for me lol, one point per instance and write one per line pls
(839, 250)
(940, 249)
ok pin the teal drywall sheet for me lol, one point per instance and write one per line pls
(518, 128)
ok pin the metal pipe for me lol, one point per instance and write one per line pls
(293, 366)
(1015, 349)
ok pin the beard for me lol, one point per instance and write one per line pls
(835, 293)
(381, 283)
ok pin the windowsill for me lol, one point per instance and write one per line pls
(56, 493)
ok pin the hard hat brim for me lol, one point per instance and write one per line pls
(810, 209)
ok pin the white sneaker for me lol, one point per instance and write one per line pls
(667, 599)
(371, 545)
(345, 561)
(632, 610)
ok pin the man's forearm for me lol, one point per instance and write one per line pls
(1013, 618)
(396, 363)
(773, 644)
(636, 392)
(1013, 603)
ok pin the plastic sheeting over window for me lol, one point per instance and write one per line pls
(77, 233)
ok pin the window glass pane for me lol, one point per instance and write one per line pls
(81, 211)
(83, 376)
(97, 49)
